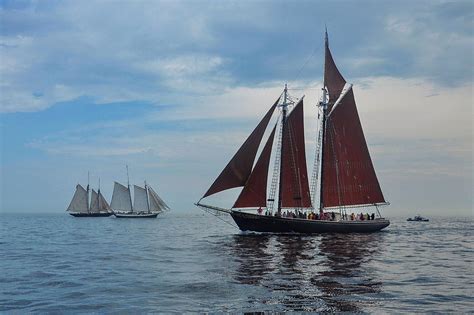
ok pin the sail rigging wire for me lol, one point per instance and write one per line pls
(332, 134)
(209, 209)
(378, 204)
(295, 178)
(311, 55)
(317, 164)
(276, 167)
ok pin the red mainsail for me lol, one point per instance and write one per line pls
(348, 174)
(294, 181)
(238, 170)
(254, 193)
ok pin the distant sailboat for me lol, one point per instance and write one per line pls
(80, 207)
(146, 203)
(343, 176)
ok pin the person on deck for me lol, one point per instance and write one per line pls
(373, 216)
(260, 211)
(361, 216)
(333, 216)
(352, 216)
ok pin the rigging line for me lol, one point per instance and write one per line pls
(311, 87)
(211, 213)
(276, 166)
(316, 164)
(233, 225)
(332, 133)
(298, 75)
(295, 174)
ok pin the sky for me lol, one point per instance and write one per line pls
(172, 89)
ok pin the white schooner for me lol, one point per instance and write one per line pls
(146, 202)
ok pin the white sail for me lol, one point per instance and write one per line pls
(103, 204)
(94, 202)
(156, 203)
(79, 202)
(121, 198)
(140, 201)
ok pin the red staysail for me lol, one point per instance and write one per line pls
(254, 193)
(333, 80)
(238, 170)
(348, 174)
(294, 181)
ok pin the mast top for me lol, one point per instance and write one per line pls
(285, 97)
(325, 34)
(128, 179)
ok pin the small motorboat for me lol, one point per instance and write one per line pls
(418, 218)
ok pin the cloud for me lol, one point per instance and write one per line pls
(159, 51)
(410, 137)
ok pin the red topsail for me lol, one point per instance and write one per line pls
(333, 80)
(238, 170)
(294, 181)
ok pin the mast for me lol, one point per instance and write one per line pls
(147, 201)
(283, 129)
(323, 104)
(88, 205)
(129, 192)
(98, 196)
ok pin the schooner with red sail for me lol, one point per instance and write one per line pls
(343, 178)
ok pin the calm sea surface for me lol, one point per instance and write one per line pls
(194, 262)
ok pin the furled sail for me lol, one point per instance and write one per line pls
(348, 174)
(79, 202)
(94, 202)
(103, 204)
(156, 203)
(254, 193)
(294, 181)
(140, 202)
(238, 170)
(121, 198)
(333, 80)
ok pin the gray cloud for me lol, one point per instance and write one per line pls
(119, 50)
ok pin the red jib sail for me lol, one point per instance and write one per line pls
(333, 80)
(238, 170)
(294, 181)
(348, 174)
(254, 193)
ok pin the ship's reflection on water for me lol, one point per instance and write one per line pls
(329, 272)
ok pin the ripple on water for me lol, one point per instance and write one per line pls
(57, 263)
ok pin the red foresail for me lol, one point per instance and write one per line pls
(238, 170)
(348, 174)
(294, 181)
(254, 193)
(333, 80)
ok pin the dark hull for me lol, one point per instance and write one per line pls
(262, 223)
(135, 215)
(83, 215)
(422, 220)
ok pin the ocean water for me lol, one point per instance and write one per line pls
(196, 263)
